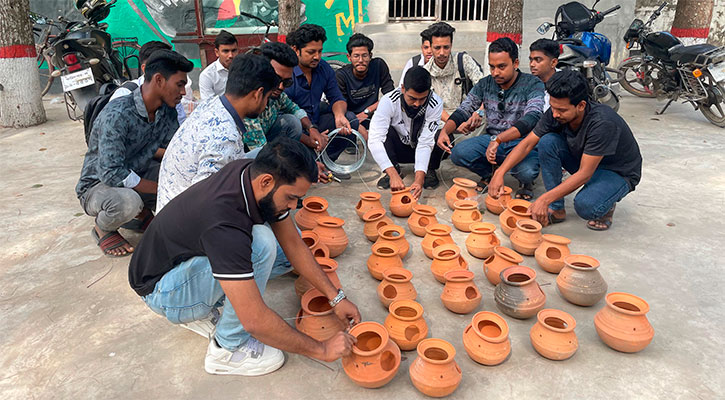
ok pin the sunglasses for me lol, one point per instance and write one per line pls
(286, 82)
(501, 106)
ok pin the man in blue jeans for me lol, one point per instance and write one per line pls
(214, 245)
(592, 142)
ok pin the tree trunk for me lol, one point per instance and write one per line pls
(505, 20)
(20, 102)
(692, 21)
(289, 18)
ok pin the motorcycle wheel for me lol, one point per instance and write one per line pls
(714, 108)
(636, 78)
(335, 64)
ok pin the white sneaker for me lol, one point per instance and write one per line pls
(204, 327)
(254, 358)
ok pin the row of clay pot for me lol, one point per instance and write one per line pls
(401, 203)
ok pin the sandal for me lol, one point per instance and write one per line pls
(110, 241)
(139, 225)
(606, 220)
(525, 193)
(482, 185)
(555, 220)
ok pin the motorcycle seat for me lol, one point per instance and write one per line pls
(687, 54)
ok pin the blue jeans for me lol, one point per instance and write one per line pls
(596, 197)
(286, 125)
(471, 154)
(189, 292)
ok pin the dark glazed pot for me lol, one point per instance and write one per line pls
(519, 295)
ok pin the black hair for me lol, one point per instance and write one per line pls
(224, 37)
(279, 52)
(568, 84)
(150, 48)
(441, 29)
(426, 37)
(418, 79)
(504, 45)
(547, 46)
(166, 63)
(359, 40)
(286, 160)
(249, 72)
(305, 34)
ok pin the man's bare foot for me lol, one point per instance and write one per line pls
(602, 224)
(112, 243)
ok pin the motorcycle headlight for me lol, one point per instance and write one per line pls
(589, 63)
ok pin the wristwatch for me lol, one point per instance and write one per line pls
(337, 299)
(495, 138)
(366, 111)
(481, 113)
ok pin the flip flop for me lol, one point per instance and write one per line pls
(482, 185)
(606, 220)
(524, 194)
(555, 220)
(139, 225)
(110, 241)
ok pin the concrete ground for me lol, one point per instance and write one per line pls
(72, 328)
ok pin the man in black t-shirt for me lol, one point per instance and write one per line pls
(362, 79)
(214, 245)
(592, 142)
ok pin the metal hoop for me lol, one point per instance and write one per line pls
(344, 169)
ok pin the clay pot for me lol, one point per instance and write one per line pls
(435, 235)
(374, 220)
(551, 252)
(405, 324)
(313, 207)
(526, 238)
(421, 217)
(553, 334)
(396, 285)
(447, 257)
(435, 372)
(375, 358)
(516, 209)
(330, 231)
(496, 206)
(519, 295)
(394, 235)
(462, 189)
(482, 240)
(401, 203)
(622, 323)
(466, 212)
(501, 259)
(368, 201)
(486, 338)
(317, 248)
(460, 295)
(384, 256)
(316, 318)
(579, 282)
(329, 267)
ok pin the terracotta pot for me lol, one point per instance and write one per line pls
(462, 189)
(435, 235)
(501, 259)
(368, 201)
(405, 324)
(313, 207)
(553, 334)
(580, 282)
(329, 267)
(384, 256)
(317, 248)
(526, 238)
(486, 338)
(421, 217)
(374, 220)
(375, 358)
(394, 235)
(466, 212)
(519, 295)
(516, 209)
(401, 203)
(496, 206)
(316, 318)
(330, 231)
(396, 285)
(622, 323)
(460, 295)
(447, 257)
(435, 372)
(482, 240)
(551, 252)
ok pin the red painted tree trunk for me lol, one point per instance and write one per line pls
(289, 18)
(692, 20)
(505, 20)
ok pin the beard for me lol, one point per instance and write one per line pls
(268, 209)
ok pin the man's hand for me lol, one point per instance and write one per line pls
(322, 175)
(337, 346)
(540, 210)
(316, 136)
(444, 142)
(491, 152)
(362, 117)
(347, 311)
(464, 128)
(343, 124)
(396, 183)
(475, 121)
(495, 187)
(416, 189)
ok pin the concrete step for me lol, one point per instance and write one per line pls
(405, 37)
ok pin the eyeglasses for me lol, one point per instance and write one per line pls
(365, 56)
(501, 105)
(286, 82)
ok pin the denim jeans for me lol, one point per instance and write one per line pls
(471, 154)
(286, 125)
(189, 292)
(596, 197)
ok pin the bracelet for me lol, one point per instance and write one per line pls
(337, 299)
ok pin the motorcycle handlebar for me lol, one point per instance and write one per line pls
(662, 7)
(257, 18)
(611, 10)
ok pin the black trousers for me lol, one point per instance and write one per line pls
(400, 153)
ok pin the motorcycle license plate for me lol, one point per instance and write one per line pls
(77, 80)
(718, 71)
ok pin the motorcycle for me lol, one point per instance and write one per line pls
(584, 50)
(661, 66)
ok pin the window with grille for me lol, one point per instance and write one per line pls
(438, 10)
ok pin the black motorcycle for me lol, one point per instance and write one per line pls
(661, 66)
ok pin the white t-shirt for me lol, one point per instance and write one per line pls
(213, 80)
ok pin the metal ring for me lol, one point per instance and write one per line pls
(344, 169)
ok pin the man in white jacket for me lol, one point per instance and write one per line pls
(404, 129)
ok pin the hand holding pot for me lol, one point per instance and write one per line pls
(337, 346)
(347, 311)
